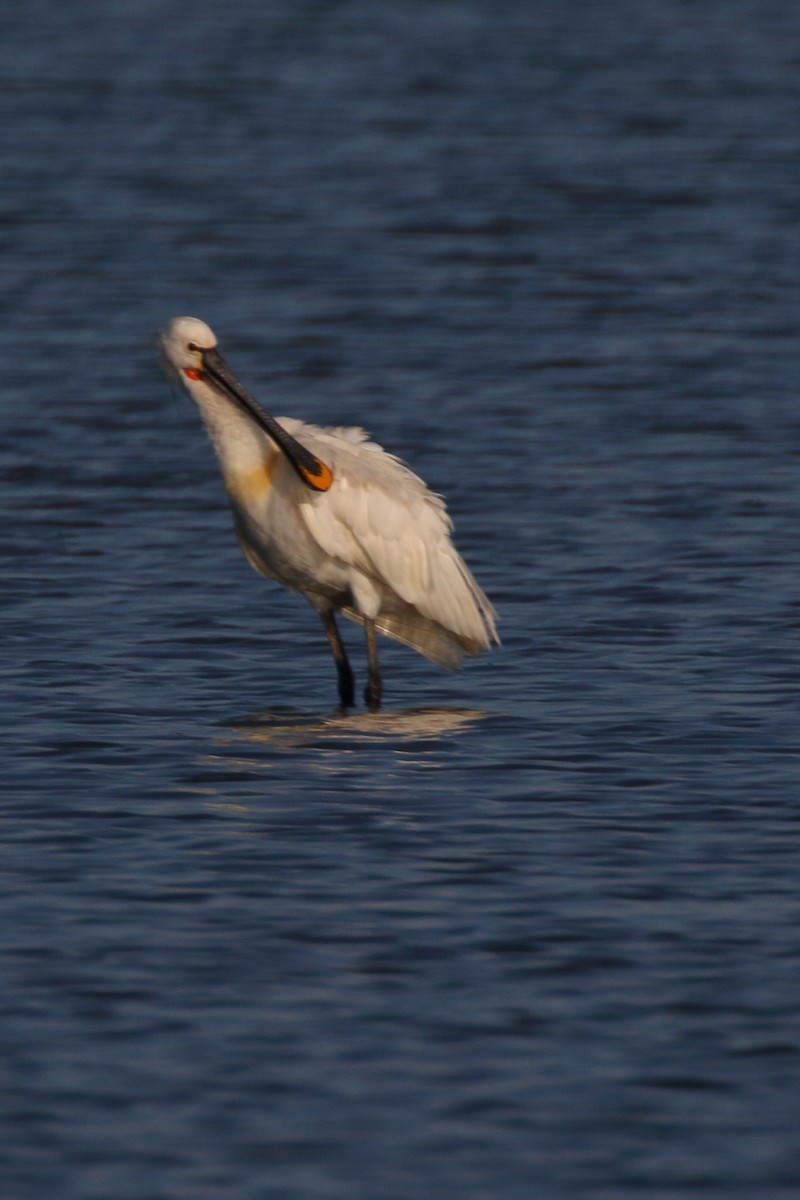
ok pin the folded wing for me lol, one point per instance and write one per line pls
(381, 519)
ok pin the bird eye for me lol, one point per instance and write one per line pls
(193, 346)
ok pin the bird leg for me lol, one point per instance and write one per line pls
(372, 692)
(343, 668)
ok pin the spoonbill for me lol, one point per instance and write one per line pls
(330, 514)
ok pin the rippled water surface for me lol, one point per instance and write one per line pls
(532, 931)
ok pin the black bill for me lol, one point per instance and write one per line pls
(314, 473)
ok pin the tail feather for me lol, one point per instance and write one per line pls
(422, 634)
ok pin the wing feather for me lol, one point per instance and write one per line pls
(379, 518)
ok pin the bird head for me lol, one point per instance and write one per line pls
(183, 343)
(190, 354)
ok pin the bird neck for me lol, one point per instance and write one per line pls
(240, 445)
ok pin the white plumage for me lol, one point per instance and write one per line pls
(328, 513)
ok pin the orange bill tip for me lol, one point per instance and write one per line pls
(192, 373)
(318, 477)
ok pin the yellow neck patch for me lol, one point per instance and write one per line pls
(251, 487)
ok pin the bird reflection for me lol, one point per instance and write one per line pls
(287, 728)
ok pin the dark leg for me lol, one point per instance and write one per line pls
(372, 692)
(346, 681)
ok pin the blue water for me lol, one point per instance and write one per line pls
(532, 931)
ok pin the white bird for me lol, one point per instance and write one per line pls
(331, 515)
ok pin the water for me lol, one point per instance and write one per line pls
(533, 930)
